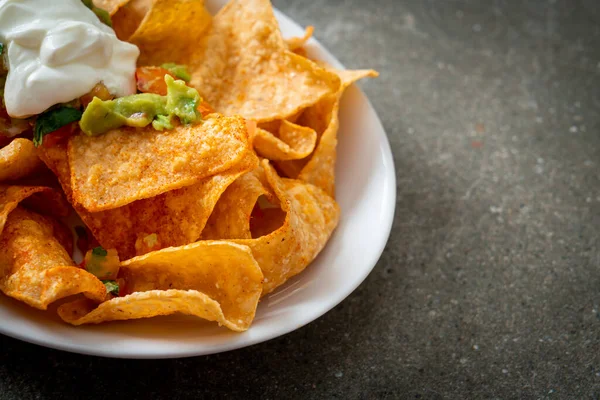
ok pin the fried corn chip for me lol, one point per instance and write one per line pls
(35, 268)
(40, 198)
(319, 168)
(311, 217)
(129, 164)
(217, 281)
(126, 18)
(18, 160)
(293, 142)
(295, 43)
(230, 218)
(176, 217)
(239, 63)
(244, 67)
(171, 31)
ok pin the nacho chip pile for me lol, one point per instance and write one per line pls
(205, 219)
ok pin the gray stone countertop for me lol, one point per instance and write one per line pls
(489, 286)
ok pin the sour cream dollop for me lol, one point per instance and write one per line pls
(58, 51)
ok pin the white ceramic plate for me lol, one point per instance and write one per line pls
(366, 191)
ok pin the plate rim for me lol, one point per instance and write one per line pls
(389, 202)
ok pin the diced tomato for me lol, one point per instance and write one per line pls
(62, 133)
(152, 80)
(122, 287)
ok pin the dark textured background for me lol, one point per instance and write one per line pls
(490, 284)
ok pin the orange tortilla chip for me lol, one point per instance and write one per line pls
(296, 43)
(176, 217)
(217, 281)
(39, 198)
(128, 17)
(125, 165)
(171, 30)
(230, 218)
(239, 63)
(243, 66)
(311, 217)
(319, 168)
(18, 160)
(35, 268)
(293, 142)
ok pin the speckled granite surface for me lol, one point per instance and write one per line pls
(490, 284)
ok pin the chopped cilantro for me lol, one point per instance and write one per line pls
(52, 120)
(112, 287)
(99, 251)
(180, 71)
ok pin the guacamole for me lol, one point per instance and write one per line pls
(142, 109)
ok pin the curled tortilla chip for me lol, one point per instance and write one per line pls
(176, 217)
(230, 218)
(40, 198)
(293, 142)
(217, 281)
(239, 63)
(126, 18)
(170, 31)
(129, 164)
(35, 268)
(18, 160)
(295, 43)
(245, 69)
(319, 168)
(311, 217)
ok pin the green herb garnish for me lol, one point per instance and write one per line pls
(99, 251)
(52, 120)
(112, 287)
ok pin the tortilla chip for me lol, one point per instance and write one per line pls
(18, 160)
(176, 217)
(239, 63)
(295, 43)
(319, 168)
(35, 268)
(244, 66)
(293, 142)
(230, 218)
(311, 217)
(111, 6)
(129, 164)
(40, 198)
(171, 31)
(128, 17)
(217, 281)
